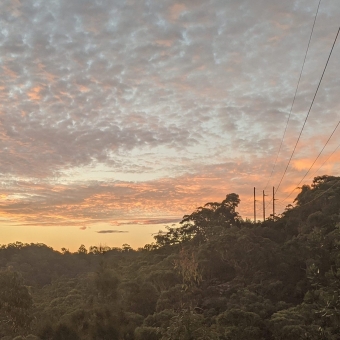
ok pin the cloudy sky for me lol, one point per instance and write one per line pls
(118, 117)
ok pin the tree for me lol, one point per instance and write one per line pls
(106, 283)
(15, 304)
(188, 325)
(237, 324)
(82, 250)
(203, 223)
(187, 266)
(126, 247)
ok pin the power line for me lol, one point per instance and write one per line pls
(315, 198)
(325, 161)
(291, 108)
(303, 126)
(315, 159)
(337, 182)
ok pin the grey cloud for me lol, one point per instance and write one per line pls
(111, 231)
(161, 221)
(150, 221)
(112, 82)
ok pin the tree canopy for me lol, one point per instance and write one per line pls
(215, 276)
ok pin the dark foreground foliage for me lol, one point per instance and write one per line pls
(214, 277)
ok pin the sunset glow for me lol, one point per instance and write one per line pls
(119, 117)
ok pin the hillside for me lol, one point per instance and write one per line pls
(215, 277)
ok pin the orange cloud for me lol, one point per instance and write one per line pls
(9, 73)
(176, 10)
(139, 203)
(165, 43)
(34, 94)
(83, 89)
(302, 164)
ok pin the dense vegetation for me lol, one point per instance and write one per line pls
(215, 277)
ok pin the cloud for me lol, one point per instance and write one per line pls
(74, 95)
(159, 201)
(176, 10)
(147, 222)
(83, 228)
(111, 231)
(141, 111)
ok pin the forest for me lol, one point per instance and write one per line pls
(216, 276)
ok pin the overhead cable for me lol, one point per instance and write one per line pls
(314, 199)
(314, 160)
(297, 87)
(303, 126)
(327, 159)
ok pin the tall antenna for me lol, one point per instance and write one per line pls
(264, 206)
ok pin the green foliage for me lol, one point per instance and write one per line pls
(106, 283)
(15, 304)
(201, 225)
(238, 324)
(64, 332)
(147, 333)
(82, 250)
(214, 277)
(139, 297)
(188, 325)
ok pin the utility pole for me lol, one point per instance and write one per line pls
(254, 206)
(274, 199)
(273, 203)
(264, 206)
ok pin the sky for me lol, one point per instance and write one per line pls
(118, 117)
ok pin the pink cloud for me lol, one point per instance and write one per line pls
(176, 10)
